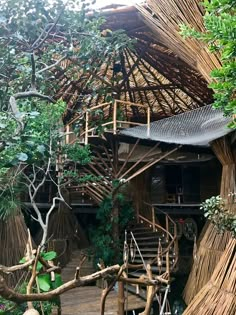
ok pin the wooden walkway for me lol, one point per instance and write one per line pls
(86, 300)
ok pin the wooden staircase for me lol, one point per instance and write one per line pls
(151, 244)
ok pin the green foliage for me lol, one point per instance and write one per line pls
(220, 35)
(101, 236)
(8, 308)
(45, 284)
(216, 211)
(78, 153)
(38, 140)
(33, 36)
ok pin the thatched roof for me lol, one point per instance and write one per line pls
(164, 18)
(150, 74)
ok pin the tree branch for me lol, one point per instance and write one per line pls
(42, 38)
(29, 94)
(9, 294)
(6, 270)
(52, 66)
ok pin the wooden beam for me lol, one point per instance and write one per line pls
(140, 160)
(144, 168)
(151, 88)
(128, 157)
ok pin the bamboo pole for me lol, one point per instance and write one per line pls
(148, 122)
(153, 220)
(115, 117)
(86, 127)
(121, 298)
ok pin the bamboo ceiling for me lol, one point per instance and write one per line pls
(150, 74)
(164, 18)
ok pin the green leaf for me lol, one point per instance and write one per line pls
(22, 157)
(41, 149)
(23, 260)
(58, 281)
(49, 255)
(44, 282)
(39, 266)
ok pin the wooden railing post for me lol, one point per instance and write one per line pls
(167, 228)
(153, 219)
(121, 298)
(167, 263)
(114, 117)
(67, 134)
(148, 121)
(86, 127)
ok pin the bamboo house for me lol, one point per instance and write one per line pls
(157, 137)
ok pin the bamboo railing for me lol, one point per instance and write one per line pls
(112, 109)
(171, 240)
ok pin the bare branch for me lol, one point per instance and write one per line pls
(29, 94)
(9, 294)
(44, 35)
(52, 66)
(25, 265)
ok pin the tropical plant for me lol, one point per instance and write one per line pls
(105, 246)
(215, 209)
(220, 34)
(35, 38)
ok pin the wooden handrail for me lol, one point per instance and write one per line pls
(173, 238)
(156, 225)
(114, 104)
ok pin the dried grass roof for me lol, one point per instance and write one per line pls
(152, 74)
(164, 18)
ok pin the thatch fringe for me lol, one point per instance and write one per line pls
(218, 296)
(13, 239)
(213, 243)
(210, 251)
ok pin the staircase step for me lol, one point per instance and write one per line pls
(150, 256)
(146, 234)
(148, 243)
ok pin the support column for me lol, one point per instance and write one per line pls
(213, 243)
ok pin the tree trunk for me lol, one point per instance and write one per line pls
(115, 225)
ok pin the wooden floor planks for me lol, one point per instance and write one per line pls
(86, 300)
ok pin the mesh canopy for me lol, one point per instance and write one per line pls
(196, 127)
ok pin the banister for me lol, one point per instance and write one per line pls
(114, 121)
(156, 225)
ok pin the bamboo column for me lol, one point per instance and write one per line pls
(213, 243)
(121, 298)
